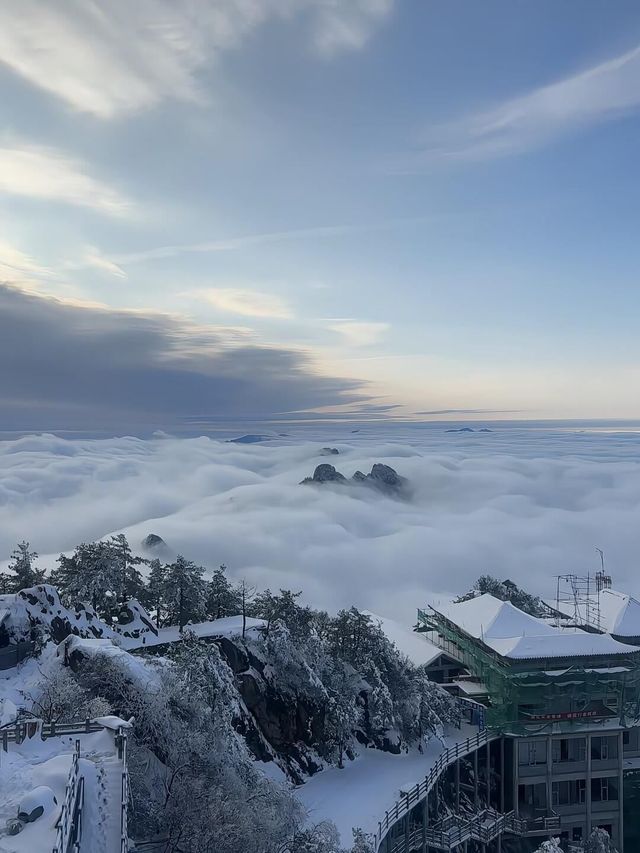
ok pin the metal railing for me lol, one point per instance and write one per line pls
(27, 728)
(484, 827)
(124, 791)
(69, 822)
(419, 791)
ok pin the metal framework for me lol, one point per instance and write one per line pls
(541, 695)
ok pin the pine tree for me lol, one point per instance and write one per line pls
(185, 592)
(342, 714)
(90, 574)
(25, 573)
(283, 607)
(131, 584)
(223, 599)
(155, 591)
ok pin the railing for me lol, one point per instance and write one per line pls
(69, 822)
(525, 826)
(454, 830)
(484, 827)
(124, 791)
(404, 805)
(24, 729)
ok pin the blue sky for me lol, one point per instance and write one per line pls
(424, 204)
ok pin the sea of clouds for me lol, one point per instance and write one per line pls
(525, 504)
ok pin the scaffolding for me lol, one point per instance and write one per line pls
(542, 695)
(578, 598)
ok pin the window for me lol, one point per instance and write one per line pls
(568, 793)
(568, 749)
(603, 748)
(626, 739)
(532, 752)
(604, 788)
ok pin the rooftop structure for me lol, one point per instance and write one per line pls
(533, 673)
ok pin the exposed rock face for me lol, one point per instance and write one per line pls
(249, 439)
(329, 451)
(382, 477)
(385, 477)
(153, 541)
(325, 473)
(38, 609)
(155, 546)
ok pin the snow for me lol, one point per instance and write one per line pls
(46, 763)
(412, 644)
(230, 626)
(23, 681)
(471, 688)
(619, 613)
(359, 794)
(112, 722)
(40, 797)
(138, 668)
(514, 634)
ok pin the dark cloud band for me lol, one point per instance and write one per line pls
(65, 366)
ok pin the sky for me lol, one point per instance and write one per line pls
(270, 208)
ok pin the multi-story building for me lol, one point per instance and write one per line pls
(564, 705)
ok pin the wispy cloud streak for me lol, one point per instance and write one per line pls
(46, 173)
(599, 94)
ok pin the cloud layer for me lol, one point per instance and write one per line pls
(119, 58)
(517, 504)
(72, 366)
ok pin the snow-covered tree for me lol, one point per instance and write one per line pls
(184, 592)
(427, 709)
(153, 595)
(25, 573)
(362, 842)
(131, 584)
(223, 599)
(506, 591)
(552, 845)
(283, 607)
(599, 841)
(57, 697)
(320, 838)
(343, 715)
(91, 574)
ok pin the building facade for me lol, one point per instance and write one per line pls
(563, 705)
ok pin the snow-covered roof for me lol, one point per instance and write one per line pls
(514, 634)
(619, 613)
(415, 646)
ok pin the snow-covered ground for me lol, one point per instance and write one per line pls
(36, 762)
(358, 795)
